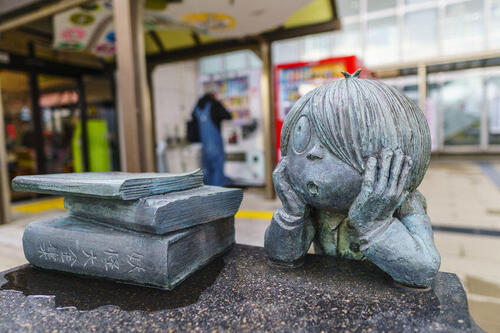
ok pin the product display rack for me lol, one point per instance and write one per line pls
(232, 92)
(239, 92)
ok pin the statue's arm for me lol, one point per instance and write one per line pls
(288, 237)
(392, 224)
(291, 231)
(403, 246)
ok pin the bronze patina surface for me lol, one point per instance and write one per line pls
(353, 154)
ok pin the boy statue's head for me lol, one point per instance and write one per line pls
(331, 132)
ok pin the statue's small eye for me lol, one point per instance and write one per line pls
(301, 134)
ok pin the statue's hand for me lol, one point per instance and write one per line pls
(383, 190)
(292, 203)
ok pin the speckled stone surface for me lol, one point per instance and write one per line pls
(237, 292)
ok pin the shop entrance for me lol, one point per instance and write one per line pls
(47, 136)
(20, 138)
(60, 114)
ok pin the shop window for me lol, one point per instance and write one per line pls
(316, 47)
(60, 120)
(20, 137)
(463, 30)
(411, 91)
(347, 41)
(493, 95)
(406, 84)
(382, 41)
(372, 5)
(348, 7)
(420, 40)
(494, 24)
(287, 50)
(411, 2)
(462, 104)
(102, 125)
(432, 111)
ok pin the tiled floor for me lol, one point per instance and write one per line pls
(461, 193)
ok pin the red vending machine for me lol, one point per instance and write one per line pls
(291, 81)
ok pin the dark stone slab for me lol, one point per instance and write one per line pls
(239, 291)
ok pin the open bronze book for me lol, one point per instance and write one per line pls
(113, 185)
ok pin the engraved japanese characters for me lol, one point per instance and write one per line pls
(75, 245)
(109, 259)
(354, 152)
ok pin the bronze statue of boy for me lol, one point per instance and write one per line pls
(354, 152)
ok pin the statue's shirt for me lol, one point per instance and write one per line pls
(335, 237)
(402, 245)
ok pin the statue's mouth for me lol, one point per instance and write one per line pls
(313, 189)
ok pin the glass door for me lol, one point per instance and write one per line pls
(493, 102)
(458, 101)
(102, 126)
(19, 129)
(47, 136)
(60, 116)
(462, 105)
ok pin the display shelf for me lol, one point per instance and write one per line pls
(239, 92)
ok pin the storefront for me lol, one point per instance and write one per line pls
(462, 108)
(43, 113)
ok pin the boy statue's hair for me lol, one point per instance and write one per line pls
(356, 118)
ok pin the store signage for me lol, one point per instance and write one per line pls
(58, 99)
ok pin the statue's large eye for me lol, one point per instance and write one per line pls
(301, 134)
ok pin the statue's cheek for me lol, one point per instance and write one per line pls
(297, 183)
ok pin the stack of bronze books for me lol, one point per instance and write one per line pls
(142, 228)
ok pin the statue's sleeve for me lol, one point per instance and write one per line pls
(403, 246)
(288, 237)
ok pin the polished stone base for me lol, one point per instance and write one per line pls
(239, 291)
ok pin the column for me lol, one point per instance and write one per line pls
(134, 106)
(266, 95)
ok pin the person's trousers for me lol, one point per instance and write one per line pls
(213, 166)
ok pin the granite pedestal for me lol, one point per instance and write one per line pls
(239, 291)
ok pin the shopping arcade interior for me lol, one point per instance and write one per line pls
(47, 136)
(41, 32)
(407, 75)
(459, 93)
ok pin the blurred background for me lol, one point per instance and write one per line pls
(132, 71)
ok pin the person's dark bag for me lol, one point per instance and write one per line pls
(193, 134)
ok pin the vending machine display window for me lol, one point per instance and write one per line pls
(239, 92)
